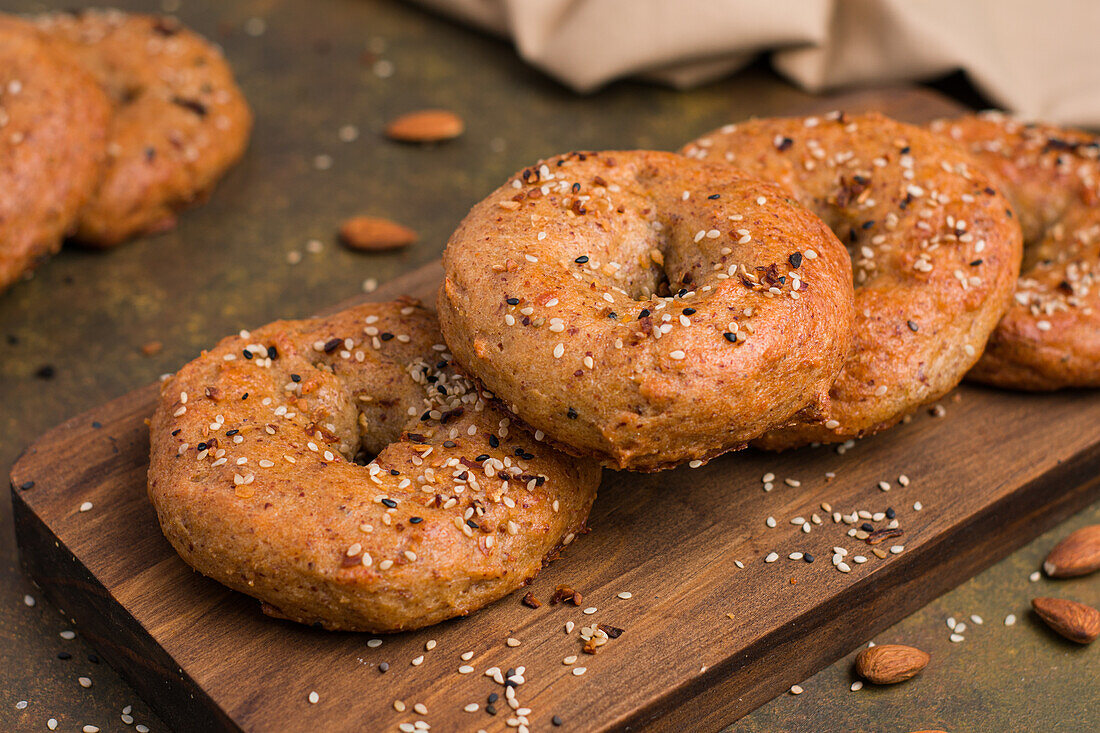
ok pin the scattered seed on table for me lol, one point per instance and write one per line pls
(1010, 619)
(314, 697)
(1034, 577)
(626, 595)
(796, 690)
(84, 681)
(374, 643)
(578, 671)
(956, 638)
(29, 600)
(86, 506)
(857, 686)
(421, 708)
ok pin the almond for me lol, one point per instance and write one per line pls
(1075, 621)
(425, 126)
(888, 664)
(370, 234)
(1078, 554)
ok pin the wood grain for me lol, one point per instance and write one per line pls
(704, 641)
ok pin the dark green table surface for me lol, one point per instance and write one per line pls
(71, 337)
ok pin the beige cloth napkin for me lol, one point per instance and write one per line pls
(1037, 58)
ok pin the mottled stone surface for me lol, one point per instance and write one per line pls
(312, 71)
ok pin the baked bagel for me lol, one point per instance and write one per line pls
(644, 308)
(255, 480)
(935, 250)
(179, 119)
(53, 131)
(1050, 337)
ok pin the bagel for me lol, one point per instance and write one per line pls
(53, 130)
(644, 308)
(254, 477)
(935, 250)
(1050, 337)
(179, 119)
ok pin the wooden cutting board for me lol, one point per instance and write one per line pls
(711, 630)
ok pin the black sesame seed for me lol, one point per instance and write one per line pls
(384, 667)
(494, 441)
(332, 345)
(46, 371)
(890, 513)
(231, 433)
(612, 314)
(493, 697)
(571, 414)
(247, 354)
(581, 260)
(426, 416)
(64, 655)
(868, 224)
(512, 301)
(390, 503)
(867, 527)
(576, 188)
(681, 292)
(385, 337)
(912, 326)
(200, 447)
(27, 485)
(176, 432)
(714, 196)
(93, 659)
(784, 144)
(556, 720)
(272, 352)
(689, 311)
(731, 337)
(491, 709)
(449, 444)
(295, 377)
(975, 263)
(97, 424)
(807, 557)
(905, 150)
(394, 472)
(416, 520)
(244, 396)
(482, 457)
(644, 313)
(472, 524)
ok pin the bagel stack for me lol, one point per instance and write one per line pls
(779, 283)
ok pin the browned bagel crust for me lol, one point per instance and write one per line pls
(549, 299)
(179, 123)
(934, 247)
(253, 479)
(1050, 337)
(53, 127)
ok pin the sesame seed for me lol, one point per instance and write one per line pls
(832, 424)
(796, 690)
(67, 635)
(677, 354)
(314, 697)
(86, 506)
(1034, 577)
(399, 706)
(29, 601)
(590, 610)
(626, 595)
(374, 643)
(1010, 619)
(471, 708)
(512, 641)
(578, 671)
(857, 686)
(465, 669)
(956, 638)
(84, 681)
(772, 557)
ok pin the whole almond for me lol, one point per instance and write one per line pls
(888, 664)
(1075, 621)
(372, 234)
(1078, 554)
(425, 126)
